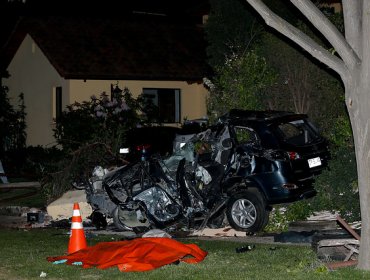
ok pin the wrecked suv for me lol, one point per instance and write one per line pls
(230, 173)
(280, 153)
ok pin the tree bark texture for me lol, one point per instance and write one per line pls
(353, 66)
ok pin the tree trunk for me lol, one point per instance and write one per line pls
(358, 104)
(363, 166)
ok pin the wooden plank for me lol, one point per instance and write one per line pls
(348, 228)
(338, 242)
(20, 185)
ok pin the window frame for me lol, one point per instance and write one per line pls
(176, 118)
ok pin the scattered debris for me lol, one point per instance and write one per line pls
(336, 265)
(35, 217)
(245, 248)
(156, 233)
(348, 228)
(220, 232)
(347, 248)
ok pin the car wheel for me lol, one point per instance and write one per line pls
(126, 220)
(119, 221)
(247, 212)
(266, 219)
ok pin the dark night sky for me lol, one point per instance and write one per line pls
(10, 11)
(106, 7)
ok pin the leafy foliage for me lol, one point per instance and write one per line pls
(305, 86)
(91, 134)
(12, 133)
(239, 73)
(76, 167)
(98, 120)
(230, 29)
(340, 133)
(12, 124)
(238, 84)
(337, 187)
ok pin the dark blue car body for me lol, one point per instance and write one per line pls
(283, 152)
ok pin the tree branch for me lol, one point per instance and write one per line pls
(330, 32)
(300, 38)
(352, 14)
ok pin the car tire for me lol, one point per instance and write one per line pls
(247, 212)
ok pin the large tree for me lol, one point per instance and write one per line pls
(351, 60)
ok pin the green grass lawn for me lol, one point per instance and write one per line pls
(24, 252)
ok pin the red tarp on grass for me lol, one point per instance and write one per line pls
(139, 254)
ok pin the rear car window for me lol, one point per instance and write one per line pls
(297, 132)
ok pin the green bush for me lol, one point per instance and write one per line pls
(103, 119)
(91, 133)
(32, 162)
(337, 187)
(238, 84)
(12, 133)
(282, 215)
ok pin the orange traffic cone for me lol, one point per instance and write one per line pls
(77, 240)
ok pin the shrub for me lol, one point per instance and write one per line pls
(238, 84)
(12, 132)
(99, 125)
(100, 119)
(337, 187)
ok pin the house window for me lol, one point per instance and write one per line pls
(167, 104)
(58, 103)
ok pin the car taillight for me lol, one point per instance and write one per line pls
(141, 148)
(293, 155)
(281, 155)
